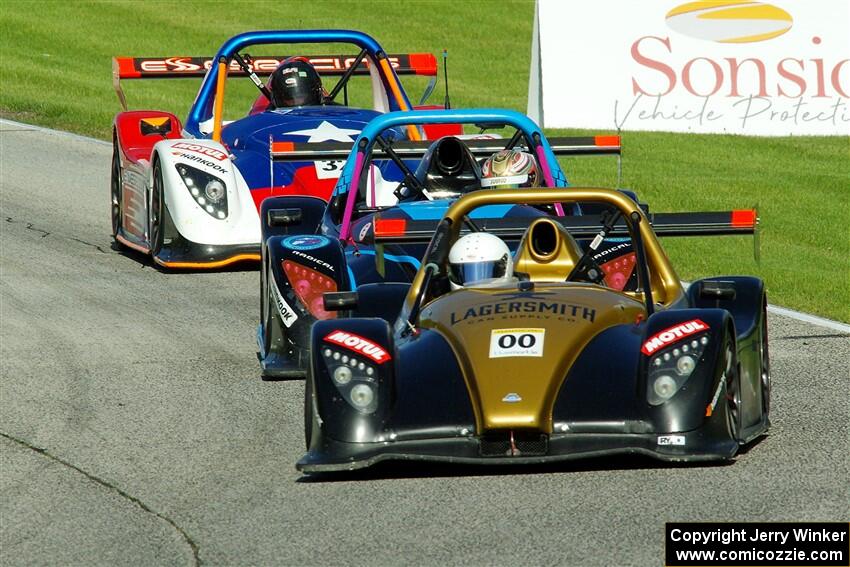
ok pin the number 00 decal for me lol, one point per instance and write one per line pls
(516, 342)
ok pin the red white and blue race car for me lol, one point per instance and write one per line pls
(188, 194)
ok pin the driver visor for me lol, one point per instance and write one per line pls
(469, 273)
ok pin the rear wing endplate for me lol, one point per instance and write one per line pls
(196, 67)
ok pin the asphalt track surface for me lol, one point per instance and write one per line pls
(135, 430)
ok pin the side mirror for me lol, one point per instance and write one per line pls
(284, 217)
(339, 300)
(718, 291)
(155, 125)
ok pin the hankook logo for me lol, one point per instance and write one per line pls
(729, 21)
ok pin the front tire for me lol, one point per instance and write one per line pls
(309, 417)
(156, 211)
(764, 357)
(732, 378)
(115, 191)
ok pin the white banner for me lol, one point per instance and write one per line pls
(775, 68)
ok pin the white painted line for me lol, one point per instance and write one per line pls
(812, 319)
(790, 313)
(52, 131)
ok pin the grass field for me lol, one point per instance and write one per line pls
(55, 71)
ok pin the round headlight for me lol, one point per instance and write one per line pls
(685, 365)
(342, 375)
(214, 191)
(361, 395)
(664, 387)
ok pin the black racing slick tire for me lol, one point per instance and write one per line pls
(764, 358)
(732, 378)
(266, 303)
(311, 422)
(156, 211)
(115, 191)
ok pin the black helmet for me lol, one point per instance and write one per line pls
(296, 83)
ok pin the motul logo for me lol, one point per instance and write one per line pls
(359, 344)
(213, 153)
(671, 335)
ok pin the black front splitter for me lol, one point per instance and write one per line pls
(334, 455)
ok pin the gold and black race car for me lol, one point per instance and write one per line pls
(559, 361)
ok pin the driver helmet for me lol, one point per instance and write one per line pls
(509, 169)
(479, 258)
(296, 83)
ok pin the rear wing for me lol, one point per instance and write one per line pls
(589, 145)
(736, 222)
(196, 67)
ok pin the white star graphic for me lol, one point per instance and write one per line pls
(326, 132)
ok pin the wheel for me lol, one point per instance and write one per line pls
(156, 211)
(263, 271)
(309, 416)
(266, 303)
(115, 188)
(732, 378)
(764, 357)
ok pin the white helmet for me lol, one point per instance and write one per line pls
(478, 258)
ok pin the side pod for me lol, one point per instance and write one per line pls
(746, 301)
(742, 296)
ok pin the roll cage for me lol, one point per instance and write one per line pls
(209, 102)
(352, 181)
(657, 279)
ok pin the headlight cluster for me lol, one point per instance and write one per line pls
(354, 378)
(208, 191)
(671, 368)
